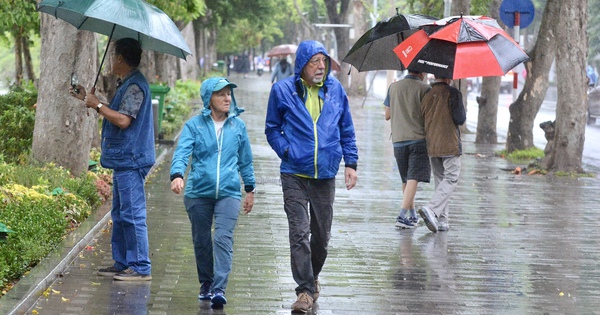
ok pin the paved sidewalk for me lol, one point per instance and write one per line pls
(518, 244)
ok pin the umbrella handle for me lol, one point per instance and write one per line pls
(103, 57)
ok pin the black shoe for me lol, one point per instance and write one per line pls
(109, 271)
(218, 299)
(205, 294)
(131, 275)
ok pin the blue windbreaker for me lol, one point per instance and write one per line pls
(217, 164)
(307, 148)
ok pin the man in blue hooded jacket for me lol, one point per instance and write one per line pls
(309, 126)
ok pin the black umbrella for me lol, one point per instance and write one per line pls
(374, 49)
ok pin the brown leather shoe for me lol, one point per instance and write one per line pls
(317, 290)
(303, 303)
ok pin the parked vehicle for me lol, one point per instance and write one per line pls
(593, 105)
(506, 83)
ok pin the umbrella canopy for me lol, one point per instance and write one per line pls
(286, 49)
(374, 49)
(120, 19)
(461, 47)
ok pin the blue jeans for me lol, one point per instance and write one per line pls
(214, 255)
(130, 232)
(309, 227)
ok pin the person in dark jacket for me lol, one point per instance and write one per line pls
(443, 112)
(219, 147)
(127, 149)
(309, 126)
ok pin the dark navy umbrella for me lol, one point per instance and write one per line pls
(374, 49)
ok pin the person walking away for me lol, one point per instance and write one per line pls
(309, 125)
(218, 144)
(443, 112)
(403, 107)
(127, 149)
(282, 70)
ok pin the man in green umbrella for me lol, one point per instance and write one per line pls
(127, 149)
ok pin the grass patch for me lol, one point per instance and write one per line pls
(523, 156)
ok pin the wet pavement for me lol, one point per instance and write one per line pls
(518, 244)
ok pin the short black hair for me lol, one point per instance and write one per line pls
(130, 49)
(414, 71)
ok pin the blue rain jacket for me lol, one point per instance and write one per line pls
(217, 163)
(307, 148)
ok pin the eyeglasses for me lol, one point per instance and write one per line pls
(315, 61)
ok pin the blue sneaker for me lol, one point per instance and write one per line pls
(218, 299)
(429, 218)
(414, 220)
(404, 223)
(205, 291)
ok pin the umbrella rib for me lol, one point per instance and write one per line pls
(104, 57)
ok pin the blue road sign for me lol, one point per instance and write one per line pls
(509, 7)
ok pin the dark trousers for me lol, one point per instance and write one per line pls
(308, 204)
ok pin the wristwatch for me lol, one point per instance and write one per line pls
(98, 107)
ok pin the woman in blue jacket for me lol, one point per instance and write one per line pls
(218, 143)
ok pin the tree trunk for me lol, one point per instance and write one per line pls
(571, 55)
(27, 59)
(337, 11)
(358, 85)
(525, 108)
(63, 126)
(487, 116)
(18, 59)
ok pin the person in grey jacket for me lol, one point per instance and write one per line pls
(282, 70)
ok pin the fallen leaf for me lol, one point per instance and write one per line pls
(55, 291)
(96, 283)
(64, 299)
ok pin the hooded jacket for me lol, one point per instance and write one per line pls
(308, 148)
(217, 163)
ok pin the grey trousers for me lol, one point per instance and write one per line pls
(308, 204)
(446, 171)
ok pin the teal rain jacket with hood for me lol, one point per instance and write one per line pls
(217, 163)
(306, 148)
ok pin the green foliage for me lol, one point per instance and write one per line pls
(523, 155)
(18, 17)
(183, 10)
(17, 119)
(177, 105)
(41, 204)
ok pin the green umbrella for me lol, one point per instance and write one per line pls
(120, 19)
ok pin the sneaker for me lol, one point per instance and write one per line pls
(317, 290)
(443, 225)
(109, 271)
(218, 299)
(404, 223)
(205, 294)
(414, 220)
(429, 219)
(131, 275)
(303, 303)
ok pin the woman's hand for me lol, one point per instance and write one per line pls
(177, 185)
(248, 202)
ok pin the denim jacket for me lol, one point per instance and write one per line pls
(132, 147)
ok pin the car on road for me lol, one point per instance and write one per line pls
(506, 83)
(593, 105)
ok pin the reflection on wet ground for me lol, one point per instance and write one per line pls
(517, 244)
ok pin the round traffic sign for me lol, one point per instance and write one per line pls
(524, 7)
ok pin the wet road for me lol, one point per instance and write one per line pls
(517, 244)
